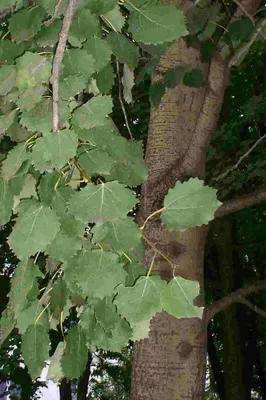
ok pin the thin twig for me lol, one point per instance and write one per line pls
(252, 306)
(55, 14)
(245, 46)
(232, 298)
(239, 5)
(59, 54)
(121, 101)
(222, 176)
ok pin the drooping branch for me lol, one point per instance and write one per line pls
(236, 296)
(58, 58)
(254, 308)
(241, 203)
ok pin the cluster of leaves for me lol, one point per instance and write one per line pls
(69, 192)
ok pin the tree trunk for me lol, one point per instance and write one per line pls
(65, 390)
(171, 363)
(84, 380)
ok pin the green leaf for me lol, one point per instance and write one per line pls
(115, 19)
(121, 334)
(128, 81)
(24, 24)
(140, 302)
(100, 203)
(197, 18)
(58, 297)
(194, 78)
(28, 190)
(189, 204)
(240, 29)
(93, 113)
(55, 372)
(6, 4)
(50, 5)
(84, 26)
(88, 321)
(7, 324)
(30, 97)
(10, 50)
(35, 349)
(118, 235)
(95, 162)
(76, 353)
(33, 70)
(39, 118)
(97, 273)
(175, 76)
(8, 75)
(157, 24)
(105, 313)
(17, 133)
(123, 49)
(6, 200)
(22, 282)
(33, 314)
(100, 50)
(51, 265)
(101, 6)
(78, 62)
(134, 270)
(72, 85)
(48, 35)
(35, 229)
(56, 149)
(141, 330)
(64, 247)
(105, 79)
(156, 93)
(14, 160)
(178, 296)
(7, 120)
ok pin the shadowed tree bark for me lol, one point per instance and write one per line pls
(170, 364)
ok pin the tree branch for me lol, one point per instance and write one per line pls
(252, 306)
(222, 176)
(59, 54)
(240, 203)
(56, 13)
(233, 297)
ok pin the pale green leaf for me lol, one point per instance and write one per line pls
(100, 50)
(30, 97)
(55, 372)
(93, 113)
(48, 35)
(35, 348)
(97, 273)
(24, 24)
(101, 6)
(51, 265)
(57, 148)
(128, 81)
(28, 190)
(178, 296)
(95, 162)
(76, 353)
(121, 334)
(14, 160)
(121, 235)
(140, 302)
(88, 321)
(105, 313)
(126, 51)
(79, 62)
(8, 75)
(134, 270)
(84, 26)
(72, 85)
(34, 313)
(115, 19)
(64, 247)
(141, 330)
(6, 201)
(189, 204)
(104, 202)
(6, 121)
(32, 70)
(105, 79)
(35, 229)
(22, 282)
(157, 24)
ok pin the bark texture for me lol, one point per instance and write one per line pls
(170, 364)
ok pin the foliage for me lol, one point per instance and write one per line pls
(85, 176)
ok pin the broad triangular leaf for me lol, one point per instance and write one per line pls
(93, 113)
